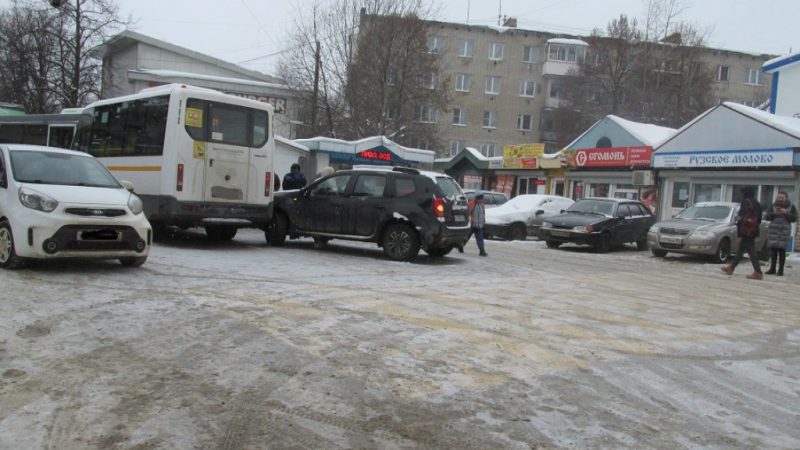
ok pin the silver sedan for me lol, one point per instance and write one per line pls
(706, 228)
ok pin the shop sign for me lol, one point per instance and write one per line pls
(375, 155)
(611, 157)
(522, 156)
(725, 158)
(278, 102)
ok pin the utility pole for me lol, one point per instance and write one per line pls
(315, 98)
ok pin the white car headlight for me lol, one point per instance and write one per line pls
(703, 234)
(547, 225)
(582, 229)
(135, 204)
(655, 229)
(37, 201)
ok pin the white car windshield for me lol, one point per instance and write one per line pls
(719, 213)
(43, 167)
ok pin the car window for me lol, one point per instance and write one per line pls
(370, 185)
(639, 210)
(499, 198)
(403, 187)
(44, 167)
(335, 185)
(623, 210)
(449, 187)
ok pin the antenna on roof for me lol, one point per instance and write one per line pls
(468, 2)
(500, 12)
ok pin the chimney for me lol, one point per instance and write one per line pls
(511, 22)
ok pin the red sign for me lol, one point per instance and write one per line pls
(372, 154)
(529, 163)
(612, 157)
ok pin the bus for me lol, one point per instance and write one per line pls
(54, 130)
(196, 157)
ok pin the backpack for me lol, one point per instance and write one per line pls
(748, 226)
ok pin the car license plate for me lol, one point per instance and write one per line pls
(671, 240)
(98, 235)
(459, 218)
(559, 233)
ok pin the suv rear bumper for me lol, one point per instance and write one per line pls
(444, 236)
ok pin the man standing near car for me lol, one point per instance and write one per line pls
(477, 219)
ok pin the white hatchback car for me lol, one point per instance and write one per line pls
(57, 203)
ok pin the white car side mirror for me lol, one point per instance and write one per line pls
(127, 185)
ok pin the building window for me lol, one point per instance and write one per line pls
(426, 114)
(557, 90)
(527, 88)
(488, 149)
(492, 85)
(460, 117)
(456, 146)
(751, 76)
(463, 82)
(530, 55)
(565, 53)
(435, 44)
(496, 50)
(428, 80)
(466, 48)
(524, 122)
(490, 119)
(722, 73)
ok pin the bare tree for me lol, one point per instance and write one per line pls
(52, 47)
(354, 63)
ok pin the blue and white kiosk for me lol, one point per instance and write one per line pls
(376, 150)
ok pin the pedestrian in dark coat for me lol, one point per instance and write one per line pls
(748, 242)
(294, 179)
(477, 219)
(781, 215)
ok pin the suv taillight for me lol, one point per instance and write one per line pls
(438, 207)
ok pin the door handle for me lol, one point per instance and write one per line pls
(211, 162)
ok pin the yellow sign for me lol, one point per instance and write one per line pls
(194, 117)
(199, 151)
(522, 156)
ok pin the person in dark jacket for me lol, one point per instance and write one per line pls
(477, 219)
(748, 242)
(781, 215)
(294, 179)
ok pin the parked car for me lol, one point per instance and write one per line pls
(522, 215)
(706, 228)
(57, 203)
(400, 209)
(600, 222)
(491, 199)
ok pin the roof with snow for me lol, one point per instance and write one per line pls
(567, 41)
(179, 75)
(473, 156)
(781, 62)
(621, 133)
(328, 144)
(291, 143)
(731, 126)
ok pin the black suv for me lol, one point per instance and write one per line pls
(600, 222)
(400, 209)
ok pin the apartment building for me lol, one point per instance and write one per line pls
(507, 82)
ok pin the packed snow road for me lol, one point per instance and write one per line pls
(240, 345)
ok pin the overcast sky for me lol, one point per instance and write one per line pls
(253, 32)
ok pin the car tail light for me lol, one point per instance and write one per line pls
(438, 207)
(267, 183)
(179, 186)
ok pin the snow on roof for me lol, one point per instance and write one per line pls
(788, 125)
(781, 61)
(476, 153)
(291, 143)
(567, 41)
(648, 134)
(198, 76)
(413, 154)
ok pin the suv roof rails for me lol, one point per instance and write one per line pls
(405, 170)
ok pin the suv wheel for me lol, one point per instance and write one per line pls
(8, 255)
(400, 242)
(603, 243)
(220, 232)
(276, 230)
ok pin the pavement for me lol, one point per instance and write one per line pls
(239, 345)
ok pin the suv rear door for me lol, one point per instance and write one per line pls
(455, 211)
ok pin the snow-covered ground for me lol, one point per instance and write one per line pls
(241, 345)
